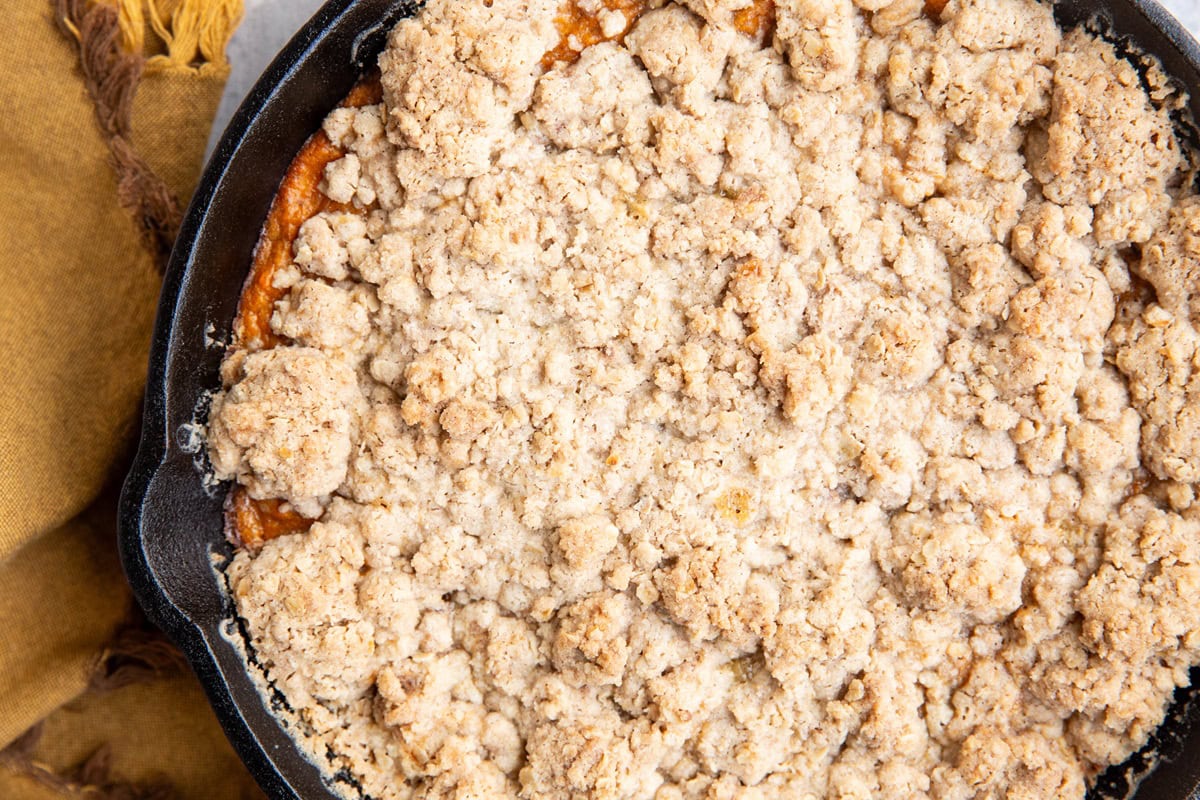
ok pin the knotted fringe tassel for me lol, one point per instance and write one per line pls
(111, 74)
(92, 779)
(138, 652)
(193, 32)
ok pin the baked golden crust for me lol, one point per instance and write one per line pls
(251, 522)
(694, 418)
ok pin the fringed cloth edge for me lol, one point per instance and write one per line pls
(194, 33)
(92, 779)
(112, 62)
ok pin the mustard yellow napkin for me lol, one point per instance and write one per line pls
(105, 107)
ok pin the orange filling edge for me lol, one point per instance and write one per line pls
(248, 521)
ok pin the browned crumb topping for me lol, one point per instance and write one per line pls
(582, 24)
(726, 399)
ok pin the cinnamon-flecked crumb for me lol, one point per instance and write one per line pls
(708, 417)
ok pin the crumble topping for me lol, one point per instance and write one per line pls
(694, 418)
(285, 428)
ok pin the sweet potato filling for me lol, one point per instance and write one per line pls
(580, 29)
(258, 521)
(756, 20)
(251, 522)
(298, 200)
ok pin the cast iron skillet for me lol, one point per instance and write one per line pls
(171, 526)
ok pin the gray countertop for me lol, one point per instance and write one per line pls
(1188, 12)
(270, 23)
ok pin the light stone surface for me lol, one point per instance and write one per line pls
(1188, 12)
(267, 27)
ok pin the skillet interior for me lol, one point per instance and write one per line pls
(172, 524)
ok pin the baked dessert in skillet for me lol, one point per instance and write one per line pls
(725, 400)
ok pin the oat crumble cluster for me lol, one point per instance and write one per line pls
(702, 419)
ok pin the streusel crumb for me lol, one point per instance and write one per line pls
(702, 419)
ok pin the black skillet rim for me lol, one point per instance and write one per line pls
(334, 48)
(338, 44)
